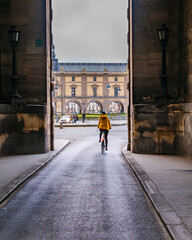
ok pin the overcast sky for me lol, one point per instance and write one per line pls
(90, 30)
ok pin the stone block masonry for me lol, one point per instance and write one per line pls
(23, 132)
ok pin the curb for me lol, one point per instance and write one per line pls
(23, 181)
(176, 228)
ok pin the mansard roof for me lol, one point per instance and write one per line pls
(93, 67)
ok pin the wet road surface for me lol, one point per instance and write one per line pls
(82, 195)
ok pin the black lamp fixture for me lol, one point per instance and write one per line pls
(14, 39)
(14, 34)
(163, 33)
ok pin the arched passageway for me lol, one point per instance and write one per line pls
(116, 107)
(35, 82)
(94, 107)
(73, 108)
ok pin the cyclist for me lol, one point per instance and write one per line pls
(104, 125)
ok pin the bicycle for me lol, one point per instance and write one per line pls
(103, 143)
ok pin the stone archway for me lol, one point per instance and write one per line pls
(117, 107)
(35, 83)
(73, 106)
(94, 106)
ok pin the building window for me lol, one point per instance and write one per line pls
(73, 79)
(94, 79)
(73, 91)
(116, 79)
(94, 92)
(116, 91)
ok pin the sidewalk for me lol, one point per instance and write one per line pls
(89, 123)
(15, 170)
(167, 181)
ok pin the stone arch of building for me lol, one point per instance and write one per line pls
(122, 107)
(98, 102)
(77, 102)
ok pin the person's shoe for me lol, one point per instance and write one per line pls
(106, 149)
(99, 140)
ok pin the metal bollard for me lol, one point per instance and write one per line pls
(61, 125)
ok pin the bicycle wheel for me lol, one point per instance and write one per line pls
(102, 146)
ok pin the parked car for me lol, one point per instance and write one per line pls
(65, 119)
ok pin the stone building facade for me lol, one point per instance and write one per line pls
(86, 83)
(158, 123)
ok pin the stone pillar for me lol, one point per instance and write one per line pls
(145, 61)
(84, 86)
(105, 94)
(153, 130)
(185, 50)
(27, 128)
(63, 107)
(85, 102)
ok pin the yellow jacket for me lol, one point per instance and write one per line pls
(104, 122)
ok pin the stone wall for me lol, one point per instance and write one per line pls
(181, 116)
(186, 48)
(33, 19)
(163, 129)
(23, 132)
(184, 137)
(148, 16)
(30, 19)
(160, 126)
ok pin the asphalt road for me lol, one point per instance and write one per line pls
(82, 195)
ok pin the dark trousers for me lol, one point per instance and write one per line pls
(106, 135)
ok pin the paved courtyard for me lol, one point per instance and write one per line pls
(82, 194)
